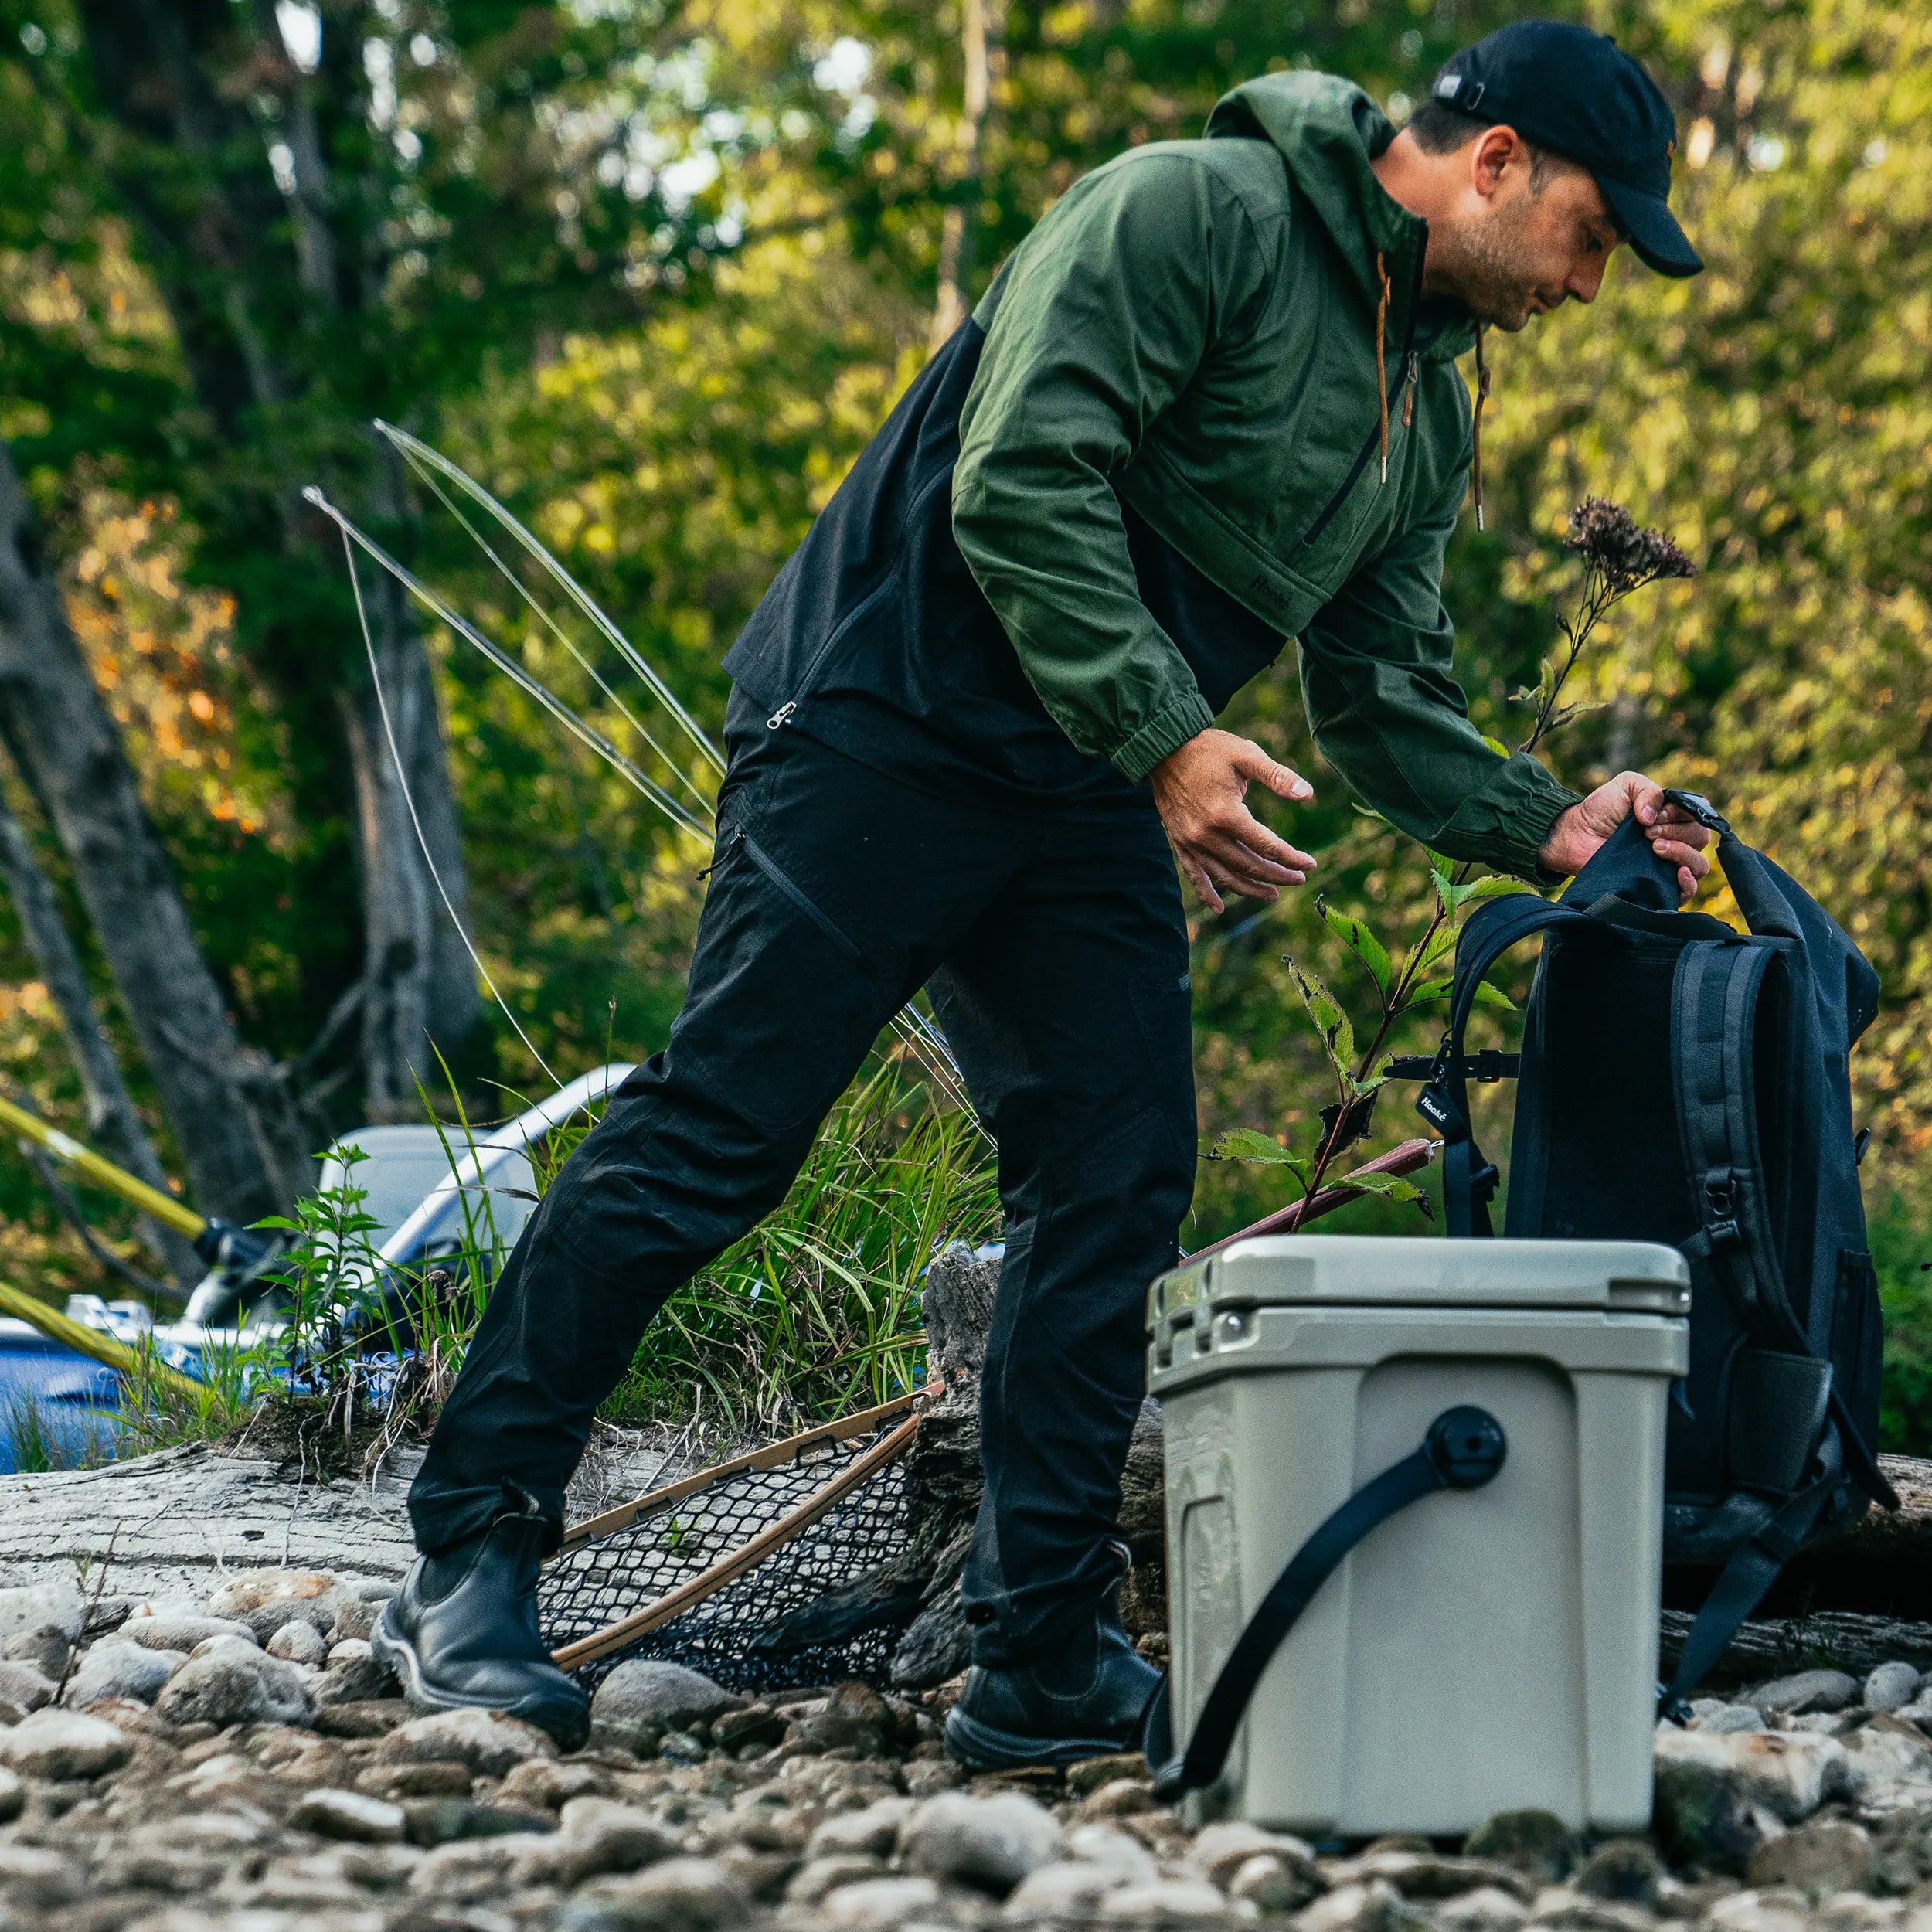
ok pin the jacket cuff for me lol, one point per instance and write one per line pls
(1505, 822)
(1170, 728)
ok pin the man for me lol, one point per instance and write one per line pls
(1210, 404)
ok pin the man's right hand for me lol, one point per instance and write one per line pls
(1222, 846)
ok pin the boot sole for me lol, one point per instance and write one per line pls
(982, 1747)
(567, 1727)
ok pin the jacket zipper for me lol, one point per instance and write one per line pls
(783, 713)
(773, 871)
(1406, 373)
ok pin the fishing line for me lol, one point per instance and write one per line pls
(581, 598)
(584, 733)
(557, 629)
(927, 1045)
(402, 784)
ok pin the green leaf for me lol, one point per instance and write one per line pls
(1496, 745)
(1489, 995)
(1250, 1144)
(1337, 1034)
(1391, 1187)
(1494, 886)
(1440, 943)
(1355, 935)
(1421, 995)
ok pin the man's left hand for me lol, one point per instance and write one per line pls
(1675, 836)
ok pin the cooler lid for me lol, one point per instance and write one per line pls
(1383, 1271)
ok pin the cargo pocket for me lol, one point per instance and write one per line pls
(783, 1002)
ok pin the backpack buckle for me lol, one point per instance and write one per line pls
(1699, 808)
(1720, 1208)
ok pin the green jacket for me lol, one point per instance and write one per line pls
(1194, 327)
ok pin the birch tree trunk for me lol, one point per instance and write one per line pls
(243, 1149)
(982, 23)
(114, 1126)
(172, 77)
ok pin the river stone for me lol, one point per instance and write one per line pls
(13, 1797)
(1538, 1844)
(167, 1629)
(1375, 1907)
(265, 1600)
(1067, 1891)
(990, 1842)
(1891, 1687)
(1789, 1773)
(1172, 1905)
(115, 1669)
(354, 1815)
(598, 1834)
(298, 1641)
(46, 1649)
(487, 1744)
(1108, 1846)
(234, 1682)
(872, 1833)
(1828, 1855)
(650, 1690)
(1487, 1908)
(884, 1903)
(353, 1676)
(37, 1606)
(63, 1744)
(38, 1879)
(469, 1870)
(1623, 1869)
(1219, 1850)
(23, 1687)
(1268, 1884)
(680, 1895)
(1809, 1690)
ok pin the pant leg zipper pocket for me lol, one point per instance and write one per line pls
(773, 871)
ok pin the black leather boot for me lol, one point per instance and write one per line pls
(461, 1634)
(1085, 1700)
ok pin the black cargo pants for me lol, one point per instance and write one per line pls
(1054, 944)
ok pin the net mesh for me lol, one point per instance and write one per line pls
(586, 1590)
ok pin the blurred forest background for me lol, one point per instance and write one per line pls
(653, 270)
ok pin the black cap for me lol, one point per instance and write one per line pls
(1578, 94)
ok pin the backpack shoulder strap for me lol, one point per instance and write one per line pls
(1713, 1014)
(1468, 1180)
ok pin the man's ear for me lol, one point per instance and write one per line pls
(1490, 156)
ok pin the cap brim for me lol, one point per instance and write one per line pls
(1655, 234)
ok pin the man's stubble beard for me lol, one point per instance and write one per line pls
(1487, 267)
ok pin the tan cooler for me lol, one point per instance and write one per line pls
(1488, 1648)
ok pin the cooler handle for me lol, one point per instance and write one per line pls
(1463, 1450)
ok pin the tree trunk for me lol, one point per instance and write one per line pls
(982, 24)
(243, 1149)
(414, 993)
(112, 1125)
(170, 80)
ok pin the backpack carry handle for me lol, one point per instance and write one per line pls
(1464, 1449)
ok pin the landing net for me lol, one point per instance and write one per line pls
(702, 1571)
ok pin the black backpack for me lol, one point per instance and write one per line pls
(1683, 1082)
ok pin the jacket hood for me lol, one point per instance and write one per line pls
(1329, 131)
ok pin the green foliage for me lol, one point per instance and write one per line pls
(817, 1311)
(1902, 1254)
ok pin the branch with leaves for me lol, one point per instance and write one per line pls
(1619, 558)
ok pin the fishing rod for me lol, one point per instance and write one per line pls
(917, 1033)
(222, 1244)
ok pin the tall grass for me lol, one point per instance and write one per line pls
(817, 1311)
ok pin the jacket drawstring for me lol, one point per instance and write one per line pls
(1382, 378)
(1482, 396)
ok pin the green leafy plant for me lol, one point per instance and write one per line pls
(817, 1311)
(1619, 558)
